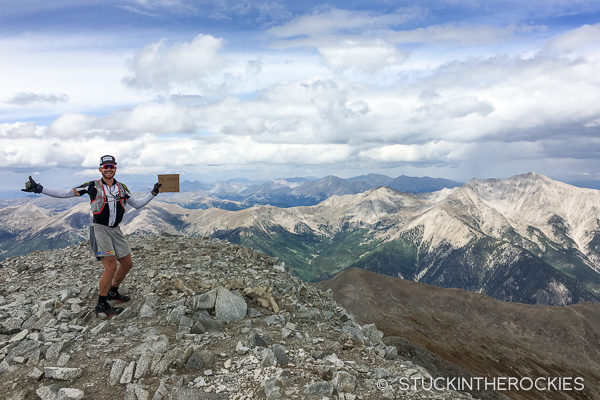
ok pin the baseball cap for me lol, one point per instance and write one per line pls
(107, 160)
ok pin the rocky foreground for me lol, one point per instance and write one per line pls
(207, 320)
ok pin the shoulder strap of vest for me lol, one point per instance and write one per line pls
(99, 188)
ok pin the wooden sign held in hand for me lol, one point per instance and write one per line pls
(170, 183)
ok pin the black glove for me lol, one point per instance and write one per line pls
(32, 186)
(155, 188)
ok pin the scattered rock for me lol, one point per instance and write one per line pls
(200, 359)
(116, 372)
(280, 355)
(62, 374)
(70, 394)
(188, 332)
(205, 301)
(318, 390)
(344, 382)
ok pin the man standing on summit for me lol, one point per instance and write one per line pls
(108, 199)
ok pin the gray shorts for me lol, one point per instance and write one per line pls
(106, 241)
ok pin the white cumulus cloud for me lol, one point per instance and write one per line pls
(367, 56)
(160, 66)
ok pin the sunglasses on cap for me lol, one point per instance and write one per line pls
(109, 166)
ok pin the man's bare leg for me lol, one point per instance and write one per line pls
(125, 264)
(110, 268)
(121, 272)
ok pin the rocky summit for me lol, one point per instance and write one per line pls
(207, 320)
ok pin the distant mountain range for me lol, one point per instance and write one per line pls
(293, 192)
(526, 238)
(237, 194)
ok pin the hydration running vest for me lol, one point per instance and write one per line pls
(100, 201)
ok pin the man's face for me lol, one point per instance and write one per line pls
(108, 170)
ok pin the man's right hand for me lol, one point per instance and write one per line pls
(32, 186)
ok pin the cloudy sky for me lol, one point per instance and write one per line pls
(265, 89)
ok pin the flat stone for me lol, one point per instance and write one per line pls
(63, 360)
(25, 348)
(101, 327)
(53, 352)
(116, 372)
(136, 392)
(62, 374)
(126, 313)
(142, 365)
(11, 326)
(205, 301)
(35, 375)
(195, 394)
(166, 361)
(19, 336)
(147, 312)
(42, 322)
(46, 393)
(128, 373)
(155, 344)
(70, 394)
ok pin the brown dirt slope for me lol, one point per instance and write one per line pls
(486, 336)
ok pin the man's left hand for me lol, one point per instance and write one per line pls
(32, 186)
(155, 190)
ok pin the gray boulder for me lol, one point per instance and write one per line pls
(318, 390)
(201, 359)
(229, 307)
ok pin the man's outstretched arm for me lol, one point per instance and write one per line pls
(138, 203)
(34, 187)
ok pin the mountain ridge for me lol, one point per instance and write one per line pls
(487, 235)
